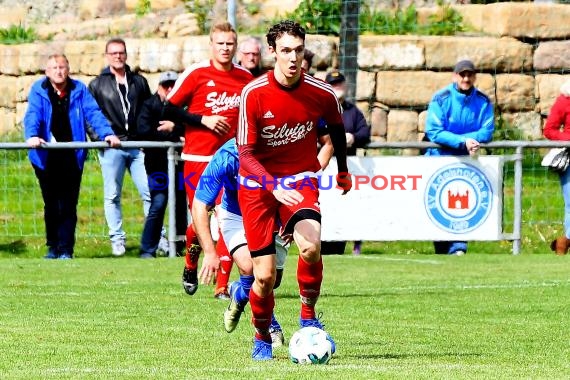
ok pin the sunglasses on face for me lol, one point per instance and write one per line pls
(468, 74)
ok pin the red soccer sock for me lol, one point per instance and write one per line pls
(261, 311)
(226, 261)
(192, 253)
(309, 277)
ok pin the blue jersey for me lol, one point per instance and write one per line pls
(221, 173)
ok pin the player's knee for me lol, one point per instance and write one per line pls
(265, 279)
(310, 251)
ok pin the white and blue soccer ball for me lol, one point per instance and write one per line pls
(310, 345)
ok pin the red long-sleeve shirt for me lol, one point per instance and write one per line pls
(557, 126)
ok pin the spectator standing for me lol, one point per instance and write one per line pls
(154, 125)
(459, 118)
(557, 127)
(249, 56)
(120, 93)
(357, 131)
(59, 110)
(210, 88)
(277, 138)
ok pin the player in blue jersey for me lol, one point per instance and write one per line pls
(221, 173)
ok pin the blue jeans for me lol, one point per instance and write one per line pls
(565, 184)
(154, 221)
(114, 163)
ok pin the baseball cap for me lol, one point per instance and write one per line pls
(464, 65)
(167, 76)
(334, 77)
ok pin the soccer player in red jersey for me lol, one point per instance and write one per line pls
(277, 140)
(212, 89)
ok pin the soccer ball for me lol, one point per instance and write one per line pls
(309, 345)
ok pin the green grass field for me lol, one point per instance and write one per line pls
(480, 316)
(397, 311)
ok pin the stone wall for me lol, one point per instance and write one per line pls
(520, 49)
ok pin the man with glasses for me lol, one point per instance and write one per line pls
(249, 56)
(459, 118)
(120, 94)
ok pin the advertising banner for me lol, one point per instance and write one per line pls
(415, 198)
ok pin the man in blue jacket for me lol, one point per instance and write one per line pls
(59, 109)
(459, 118)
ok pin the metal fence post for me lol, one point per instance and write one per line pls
(171, 202)
(517, 212)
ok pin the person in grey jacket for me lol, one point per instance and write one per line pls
(59, 110)
(121, 93)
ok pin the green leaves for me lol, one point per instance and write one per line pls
(17, 34)
(324, 17)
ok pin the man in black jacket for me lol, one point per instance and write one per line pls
(154, 124)
(355, 126)
(356, 129)
(120, 93)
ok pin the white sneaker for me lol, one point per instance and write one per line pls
(118, 248)
(164, 246)
(277, 338)
(458, 253)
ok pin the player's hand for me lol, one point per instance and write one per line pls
(35, 141)
(210, 266)
(165, 126)
(344, 182)
(113, 141)
(216, 123)
(288, 197)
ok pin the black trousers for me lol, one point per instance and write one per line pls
(60, 182)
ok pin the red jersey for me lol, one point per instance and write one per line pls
(280, 123)
(206, 91)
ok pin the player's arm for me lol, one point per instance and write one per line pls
(217, 123)
(210, 184)
(338, 139)
(201, 223)
(326, 152)
(332, 116)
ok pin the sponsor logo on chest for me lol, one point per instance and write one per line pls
(221, 102)
(283, 135)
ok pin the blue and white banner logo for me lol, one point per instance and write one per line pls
(458, 198)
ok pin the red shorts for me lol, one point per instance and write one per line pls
(263, 214)
(192, 172)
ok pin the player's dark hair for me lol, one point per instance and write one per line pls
(284, 27)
